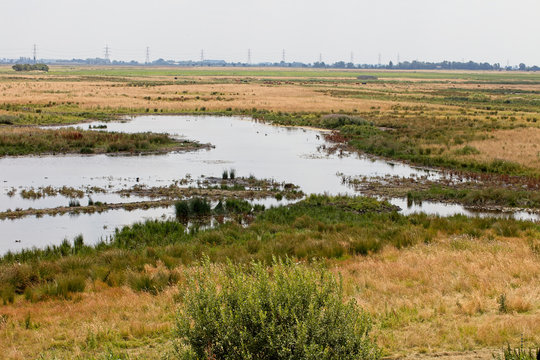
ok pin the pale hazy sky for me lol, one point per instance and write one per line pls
(433, 30)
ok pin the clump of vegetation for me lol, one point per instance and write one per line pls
(238, 206)
(74, 203)
(319, 227)
(24, 141)
(467, 150)
(192, 207)
(359, 204)
(335, 121)
(62, 286)
(7, 294)
(30, 67)
(201, 207)
(519, 354)
(152, 283)
(288, 311)
(486, 196)
(503, 304)
(228, 174)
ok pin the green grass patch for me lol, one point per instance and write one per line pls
(23, 141)
(319, 227)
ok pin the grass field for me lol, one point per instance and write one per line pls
(463, 121)
(288, 73)
(431, 285)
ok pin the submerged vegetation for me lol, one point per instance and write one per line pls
(483, 193)
(199, 194)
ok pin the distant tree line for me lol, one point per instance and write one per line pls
(30, 67)
(455, 65)
(405, 65)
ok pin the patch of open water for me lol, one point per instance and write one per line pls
(292, 155)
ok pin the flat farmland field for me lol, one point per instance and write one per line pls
(412, 196)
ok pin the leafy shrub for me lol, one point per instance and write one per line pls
(286, 311)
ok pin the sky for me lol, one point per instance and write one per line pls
(495, 31)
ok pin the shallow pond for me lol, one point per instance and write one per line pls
(293, 155)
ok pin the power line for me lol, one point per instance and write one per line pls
(147, 61)
(107, 54)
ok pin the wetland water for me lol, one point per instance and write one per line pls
(292, 155)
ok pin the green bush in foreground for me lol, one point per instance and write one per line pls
(286, 311)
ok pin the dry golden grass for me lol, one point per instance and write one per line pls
(89, 324)
(444, 296)
(518, 145)
(288, 98)
(430, 298)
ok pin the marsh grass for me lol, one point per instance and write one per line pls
(193, 207)
(318, 227)
(487, 196)
(412, 117)
(519, 353)
(201, 207)
(152, 282)
(430, 283)
(63, 286)
(24, 141)
(465, 259)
